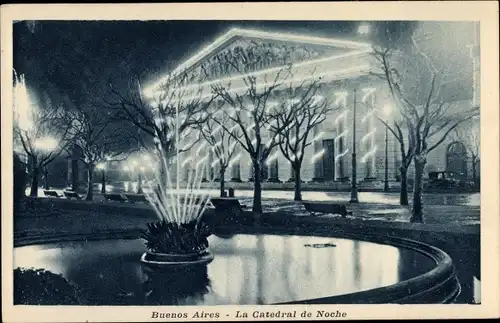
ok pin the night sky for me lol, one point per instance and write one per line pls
(76, 60)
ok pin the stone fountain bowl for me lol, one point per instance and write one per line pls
(155, 259)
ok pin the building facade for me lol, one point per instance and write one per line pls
(345, 68)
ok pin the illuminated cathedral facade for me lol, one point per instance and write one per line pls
(345, 68)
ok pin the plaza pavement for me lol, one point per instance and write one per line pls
(456, 209)
(443, 213)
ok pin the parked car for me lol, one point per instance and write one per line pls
(447, 181)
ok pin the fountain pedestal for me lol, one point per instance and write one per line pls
(165, 260)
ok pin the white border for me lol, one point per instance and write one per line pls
(485, 12)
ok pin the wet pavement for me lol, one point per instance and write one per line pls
(449, 209)
(452, 199)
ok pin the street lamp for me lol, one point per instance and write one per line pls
(354, 189)
(364, 29)
(45, 144)
(102, 168)
(387, 111)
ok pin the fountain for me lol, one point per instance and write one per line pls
(179, 237)
(249, 267)
(187, 264)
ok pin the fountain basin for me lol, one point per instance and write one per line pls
(260, 268)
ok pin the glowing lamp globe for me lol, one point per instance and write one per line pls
(387, 110)
(363, 29)
(45, 143)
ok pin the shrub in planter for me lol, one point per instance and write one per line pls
(177, 238)
(42, 287)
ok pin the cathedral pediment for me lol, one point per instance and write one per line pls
(251, 50)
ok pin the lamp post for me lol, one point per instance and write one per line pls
(44, 145)
(102, 168)
(387, 112)
(354, 189)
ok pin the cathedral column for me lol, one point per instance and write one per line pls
(340, 146)
(186, 167)
(291, 179)
(318, 164)
(205, 176)
(236, 168)
(210, 169)
(251, 176)
(272, 165)
(186, 172)
(292, 175)
(215, 168)
(235, 173)
(370, 148)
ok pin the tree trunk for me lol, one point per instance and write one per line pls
(46, 176)
(417, 210)
(474, 174)
(103, 184)
(257, 191)
(34, 182)
(298, 188)
(403, 194)
(221, 181)
(90, 192)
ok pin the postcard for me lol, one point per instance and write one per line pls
(250, 161)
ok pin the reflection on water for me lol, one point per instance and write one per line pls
(247, 269)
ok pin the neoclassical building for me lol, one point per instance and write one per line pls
(345, 68)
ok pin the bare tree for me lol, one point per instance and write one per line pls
(415, 84)
(253, 109)
(469, 134)
(43, 129)
(166, 113)
(390, 39)
(221, 142)
(303, 111)
(398, 125)
(100, 139)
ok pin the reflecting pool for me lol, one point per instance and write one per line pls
(247, 269)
